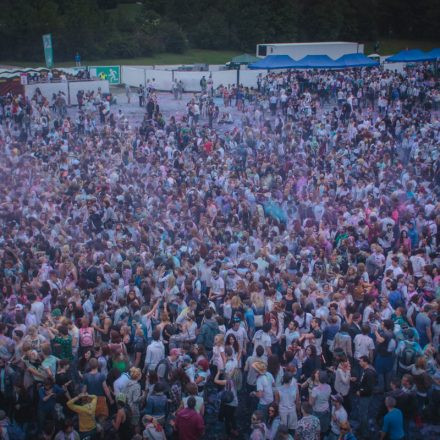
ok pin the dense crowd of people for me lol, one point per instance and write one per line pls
(272, 277)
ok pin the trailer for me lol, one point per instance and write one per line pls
(334, 49)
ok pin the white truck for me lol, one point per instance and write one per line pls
(334, 49)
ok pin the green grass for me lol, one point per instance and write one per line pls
(189, 57)
(389, 46)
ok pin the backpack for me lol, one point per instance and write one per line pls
(168, 367)
(86, 337)
(408, 356)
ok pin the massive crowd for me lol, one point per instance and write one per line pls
(269, 271)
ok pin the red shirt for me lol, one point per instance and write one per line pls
(189, 424)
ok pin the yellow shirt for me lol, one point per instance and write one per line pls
(86, 413)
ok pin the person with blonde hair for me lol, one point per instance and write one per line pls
(218, 359)
(134, 395)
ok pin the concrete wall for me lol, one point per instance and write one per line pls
(224, 77)
(47, 89)
(249, 77)
(163, 79)
(133, 76)
(191, 80)
(70, 89)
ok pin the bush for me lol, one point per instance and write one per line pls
(172, 37)
(122, 46)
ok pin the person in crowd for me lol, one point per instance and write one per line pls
(149, 262)
(189, 423)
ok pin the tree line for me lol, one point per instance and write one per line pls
(98, 28)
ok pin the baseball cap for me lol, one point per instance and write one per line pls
(337, 398)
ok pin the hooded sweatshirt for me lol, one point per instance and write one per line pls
(207, 333)
(189, 425)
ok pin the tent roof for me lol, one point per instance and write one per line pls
(434, 54)
(356, 60)
(317, 62)
(407, 56)
(244, 59)
(274, 62)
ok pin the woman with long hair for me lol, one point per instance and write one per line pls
(258, 307)
(273, 420)
(311, 362)
(274, 368)
(231, 341)
(218, 360)
(275, 333)
(288, 398)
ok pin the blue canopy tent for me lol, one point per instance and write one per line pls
(434, 54)
(408, 56)
(356, 60)
(274, 62)
(317, 62)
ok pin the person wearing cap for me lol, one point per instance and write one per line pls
(338, 416)
(264, 385)
(85, 406)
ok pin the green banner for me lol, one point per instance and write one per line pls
(48, 50)
(111, 73)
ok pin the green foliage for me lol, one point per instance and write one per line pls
(129, 28)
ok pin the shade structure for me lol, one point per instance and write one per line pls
(408, 56)
(356, 60)
(434, 54)
(274, 62)
(244, 59)
(317, 62)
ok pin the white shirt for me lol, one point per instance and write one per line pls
(155, 353)
(340, 416)
(240, 335)
(263, 339)
(264, 383)
(362, 345)
(417, 264)
(37, 308)
(120, 383)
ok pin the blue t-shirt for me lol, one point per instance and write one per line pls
(48, 406)
(393, 424)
